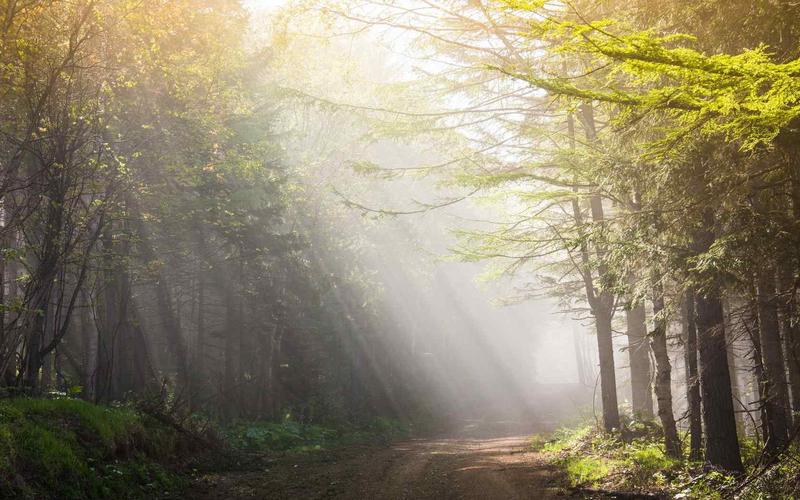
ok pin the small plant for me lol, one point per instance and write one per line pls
(645, 466)
(537, 442)
(566, 438)
(586, 471)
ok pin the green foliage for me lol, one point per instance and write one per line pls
(567, 438)
(294, 436)
(712, 485)
(586, 471)
(590, 457)
(64, 448)
(537, 442)
(745, 97)
(779, 481)
(645, 465)
(271, 436)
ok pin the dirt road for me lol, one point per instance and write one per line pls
(486, 469)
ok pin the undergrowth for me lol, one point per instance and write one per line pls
(633, 461)
(67, 448)
(71, 449)
(293, 436)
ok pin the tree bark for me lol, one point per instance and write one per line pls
(229, 382)
(692, 381)
(721, 444)
(602, 302)
(790, 334)
(733, 365)
(608, 379)
(663, 385)
(774, 389)
(639, 359)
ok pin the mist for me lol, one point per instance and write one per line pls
(399, 249)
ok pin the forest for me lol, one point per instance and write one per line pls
(399, 249)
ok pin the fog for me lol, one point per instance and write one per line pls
(485, 343)
(289, 224)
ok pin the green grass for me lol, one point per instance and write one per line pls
(71, 449)
(586, 471)
(589, 457)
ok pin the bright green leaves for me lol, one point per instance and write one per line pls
(745, 97)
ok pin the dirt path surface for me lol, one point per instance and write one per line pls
(486, 469)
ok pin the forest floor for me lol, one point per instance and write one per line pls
(454, 468)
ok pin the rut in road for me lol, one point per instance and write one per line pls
(486, 469)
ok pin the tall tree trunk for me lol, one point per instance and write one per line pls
(608, 378)
(229, 382)
(790, 334)
(639, 359)
(663, 385)
(602, 303)
(199, 368)
(580, 359)
(5, 344)
(104, 386)
(733, 365)
(33, 358)
(750, 321)
(8, 361)
(774, 390)
(721, 444)
(88, 334)
(692, 381)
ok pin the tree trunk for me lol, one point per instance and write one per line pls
(199, 368)
(692, 382)
(107, 316)
(721, 444)
(8, 361)
(608, 379)
(639, 358)
(663, 385)
(774, 391)
(88, 347)
(733, 366)
(602, 303)
(229, 377)
(790, 334)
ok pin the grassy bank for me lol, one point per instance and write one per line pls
(634, 462)
(70, 449)
(66, 448)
